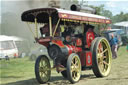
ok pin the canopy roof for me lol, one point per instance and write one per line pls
(42, 15)
(123, 24)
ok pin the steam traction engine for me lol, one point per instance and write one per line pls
(70, 52)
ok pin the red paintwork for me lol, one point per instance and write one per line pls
(58, 42)
(82, 58)
(73, 49)
(83, 18)
(88, 58)
(78, 42)
(89, 38)
(44, 41)
(70, 50)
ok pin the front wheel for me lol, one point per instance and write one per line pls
(73, 68)
(102, 57)
(42, 69)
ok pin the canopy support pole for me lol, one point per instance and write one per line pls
(36, 29)
(50, 25)
(56, 27)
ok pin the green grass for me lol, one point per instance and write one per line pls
(122, 52)
(16, 69)
(20, 71)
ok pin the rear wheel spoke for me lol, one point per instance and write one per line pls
(105, 63)
(72, 63)
(101, 65)
(104, 57)
(99, 56)
(104, 51)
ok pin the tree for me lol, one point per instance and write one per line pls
(100, 10)
(107, 13)
(120, 17)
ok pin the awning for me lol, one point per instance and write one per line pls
(122, 24)
(42, 15)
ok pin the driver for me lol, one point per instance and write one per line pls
(44, 30)
(68, 39)
(67, 35)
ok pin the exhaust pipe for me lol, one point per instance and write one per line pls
(82, 8)
(75, 7)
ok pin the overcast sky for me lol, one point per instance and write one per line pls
(115, 6)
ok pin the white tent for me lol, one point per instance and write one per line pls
(122, 24)
(14, 38)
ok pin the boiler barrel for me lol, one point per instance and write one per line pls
(55, 51)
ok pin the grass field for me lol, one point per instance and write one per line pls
(20, 71)
(16, 69)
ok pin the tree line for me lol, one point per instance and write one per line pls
(100, 10)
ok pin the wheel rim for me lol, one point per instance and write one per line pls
(44, 69)
(75, 68)
(104, 57)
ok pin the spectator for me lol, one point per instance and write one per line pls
(6, 57)
(114, 46)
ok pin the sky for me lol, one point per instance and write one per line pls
(115, 6)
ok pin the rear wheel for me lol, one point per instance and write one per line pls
(73, 68)
(93, 43)
(42, 69)
(102, 57)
